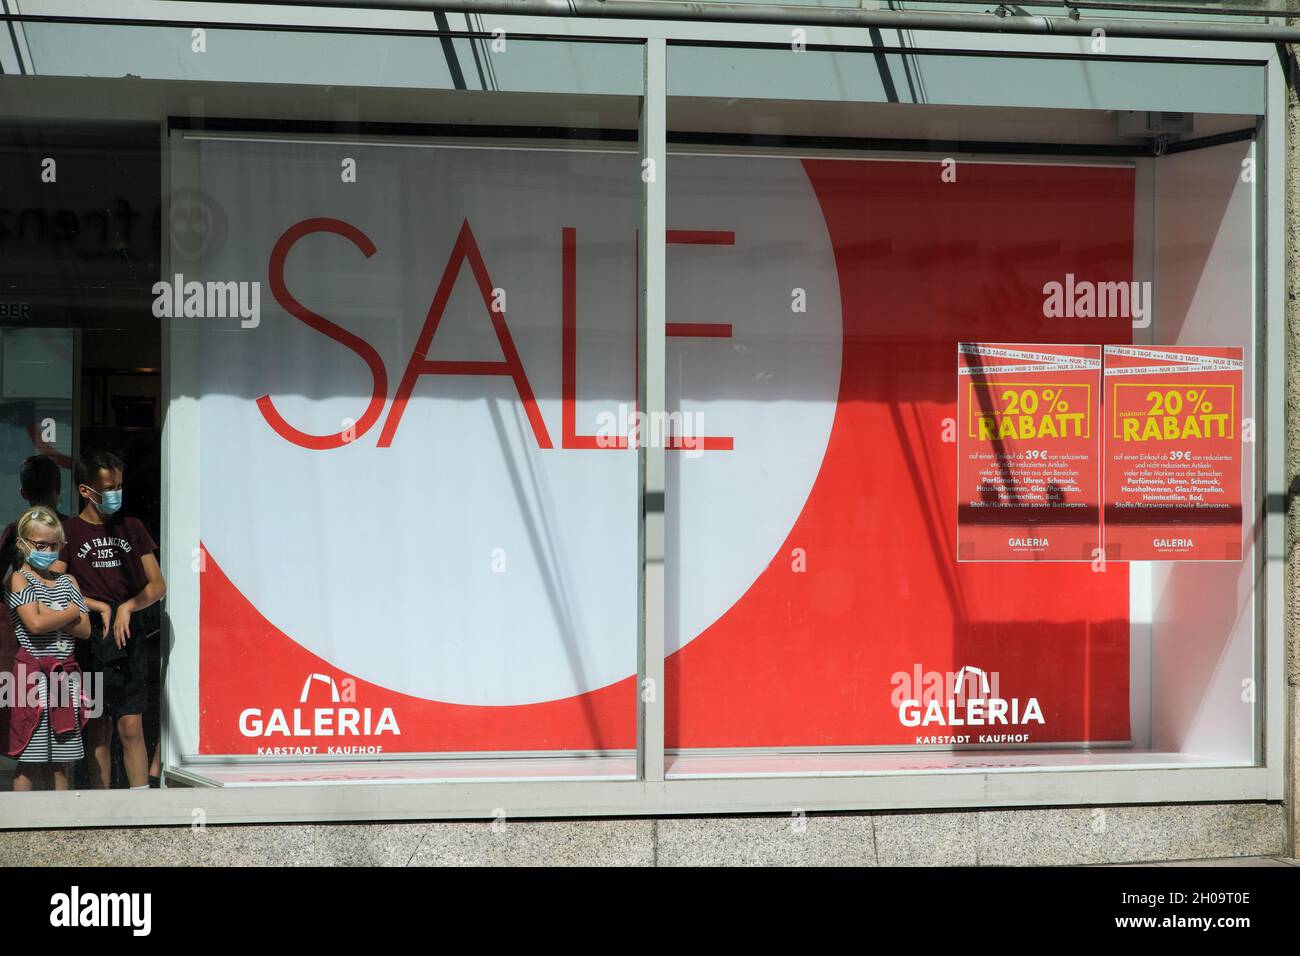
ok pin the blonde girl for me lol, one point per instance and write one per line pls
(48, 613)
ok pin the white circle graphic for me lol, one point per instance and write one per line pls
(465, 563)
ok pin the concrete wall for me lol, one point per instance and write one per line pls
(1127, 834)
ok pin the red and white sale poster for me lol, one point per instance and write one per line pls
(1173, 453)
(416, 541)
(1028, 485)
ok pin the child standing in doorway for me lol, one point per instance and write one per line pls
(116, 561)
(48, 614)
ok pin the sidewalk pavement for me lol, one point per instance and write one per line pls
(1224, 861)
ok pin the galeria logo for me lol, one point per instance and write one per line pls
(968, 696)
(331, 721)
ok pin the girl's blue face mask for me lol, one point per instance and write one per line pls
(41, 560)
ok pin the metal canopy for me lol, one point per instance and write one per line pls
(1005, 20)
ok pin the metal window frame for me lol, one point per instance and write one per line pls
(651, 793)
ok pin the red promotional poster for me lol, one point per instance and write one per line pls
(1173, 454)
(1027, 469)
(814, 595)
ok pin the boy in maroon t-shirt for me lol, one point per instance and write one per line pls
(113, 559)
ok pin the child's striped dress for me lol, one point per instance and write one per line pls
(46, 746)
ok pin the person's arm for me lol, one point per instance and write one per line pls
(37, 618)
(153, 591)
(105, 611)
(80, 630)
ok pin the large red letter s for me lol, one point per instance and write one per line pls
(358, 345)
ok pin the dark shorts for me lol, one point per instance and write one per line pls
(124, 684)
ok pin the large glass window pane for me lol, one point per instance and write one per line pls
(368, 334)
(937, 519)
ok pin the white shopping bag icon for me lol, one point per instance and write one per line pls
(323, 678)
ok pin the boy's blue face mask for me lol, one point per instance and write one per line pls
(110, 502)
